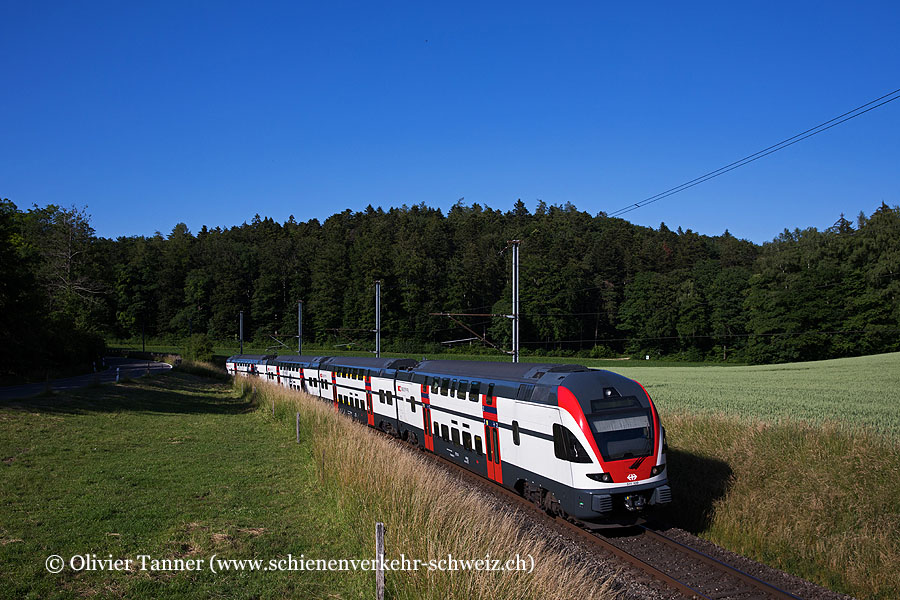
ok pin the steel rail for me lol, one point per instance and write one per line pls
(764, 586)
(662, 577)
(592, 538)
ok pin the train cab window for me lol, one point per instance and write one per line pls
(463, 389)
(436, 429)
(478, 449)
(412, 403)
(567, 447)
(467, 440)
(456, 436)
(445, 433)
(515, 428)
(473, 391)
(445, 385)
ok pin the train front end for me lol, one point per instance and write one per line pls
(622, 470)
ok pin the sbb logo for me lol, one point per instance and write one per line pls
(632, 477)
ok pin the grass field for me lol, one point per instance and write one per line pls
(180, 467)
(795, 465)
(224, 351)
(847, 393)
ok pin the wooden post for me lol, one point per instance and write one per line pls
(379, 557)
(298, 428)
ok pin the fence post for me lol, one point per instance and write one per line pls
(379, 557)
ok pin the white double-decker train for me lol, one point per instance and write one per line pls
(579, 442)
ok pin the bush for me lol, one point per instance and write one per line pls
(199, 348)
(601, 351)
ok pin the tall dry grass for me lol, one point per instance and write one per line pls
(203, 368)
(427, 514)
(818, 501)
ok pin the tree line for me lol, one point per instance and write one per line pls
(590, 285)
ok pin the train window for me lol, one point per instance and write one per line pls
(515, 429)
(381, 396)
(567, 447)
(445, 385)
(490, 452)
(435, 382)
(496, 447)
(463, 389)
(467, 440)
(490, 395)
(473, 391)
(478, 444)
(390, 398)
(412, 403)
(445, 433)
(436, 429)
(456, 436)
(453, 388)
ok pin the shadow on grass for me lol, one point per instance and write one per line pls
(697, 483)
(173, 392)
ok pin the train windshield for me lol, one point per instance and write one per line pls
(624, 433)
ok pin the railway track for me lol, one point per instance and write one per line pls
(687, 571)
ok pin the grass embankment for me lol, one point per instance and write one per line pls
(797, 466)
(427, 513)
(176, 467)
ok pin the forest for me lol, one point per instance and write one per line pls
(590, 285)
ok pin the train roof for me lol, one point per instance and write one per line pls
(524, 372)
(249, 358)
(371, 362)
(300, 358)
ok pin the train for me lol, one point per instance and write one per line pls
(581, 443)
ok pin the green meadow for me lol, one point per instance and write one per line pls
(854, 393)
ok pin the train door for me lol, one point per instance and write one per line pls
(334, 389)
(492, 438)
(427, 433)
(370, 409)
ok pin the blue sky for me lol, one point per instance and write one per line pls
(209, 112)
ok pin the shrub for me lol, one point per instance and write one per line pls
(199, 348)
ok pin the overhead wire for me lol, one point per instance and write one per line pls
(834, 122)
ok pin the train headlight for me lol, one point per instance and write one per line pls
(603, 477)
(657, 470)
